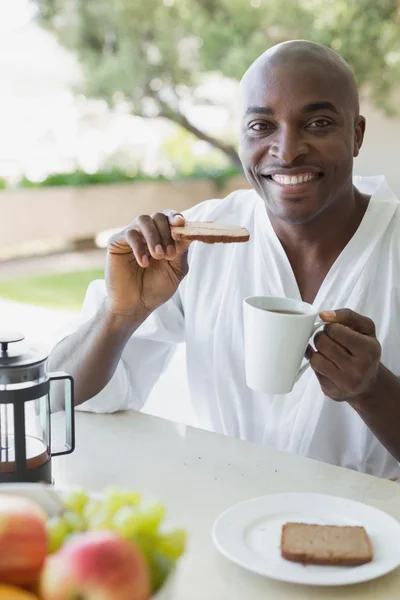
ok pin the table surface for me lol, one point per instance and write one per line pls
(198, 475)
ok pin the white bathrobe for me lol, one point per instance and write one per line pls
(206, 313)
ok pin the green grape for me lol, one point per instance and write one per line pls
(57, 531)
(151, 518)
(160, 568)
(146, 544)
(171, 544)
(76, 500)
(101, 519)
(74, 522)
(91, 508)
(113, 500)
(132, 498)
(127, 521)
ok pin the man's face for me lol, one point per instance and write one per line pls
(299, 137)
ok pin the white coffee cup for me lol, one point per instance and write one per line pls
(275, 342)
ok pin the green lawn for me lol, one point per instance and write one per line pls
(62, 290)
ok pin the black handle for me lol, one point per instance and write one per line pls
(9, 337)
(69, 446)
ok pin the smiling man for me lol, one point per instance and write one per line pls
(317, 234)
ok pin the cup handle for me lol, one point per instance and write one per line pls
(304, 368)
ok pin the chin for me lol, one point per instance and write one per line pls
(296, 210)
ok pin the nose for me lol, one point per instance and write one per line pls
(287, 146)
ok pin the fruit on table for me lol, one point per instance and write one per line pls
(122, 512)
(75, 500)
(171, 544)
(10, 592)
(94, 565)
(23, 540)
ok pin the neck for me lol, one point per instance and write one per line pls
(329, 232)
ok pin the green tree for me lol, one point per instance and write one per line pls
(154, 54)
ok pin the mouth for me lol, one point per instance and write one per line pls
(291, 181)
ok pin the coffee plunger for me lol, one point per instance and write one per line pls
(25, 424)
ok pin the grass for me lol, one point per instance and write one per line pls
(64, 291)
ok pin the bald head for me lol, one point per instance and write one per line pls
(300, 118)
(305, 54)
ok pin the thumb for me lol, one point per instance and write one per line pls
(349, 318)
(175, 218)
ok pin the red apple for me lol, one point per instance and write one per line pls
(11, 592)
(23, 540)
(96, 565)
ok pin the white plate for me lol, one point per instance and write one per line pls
(49, 498)
(249, 535)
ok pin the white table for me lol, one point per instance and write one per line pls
(200, 474)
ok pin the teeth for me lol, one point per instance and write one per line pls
(294, 179)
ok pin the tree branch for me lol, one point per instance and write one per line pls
(181, 120)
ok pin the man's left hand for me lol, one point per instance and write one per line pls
(348, 355)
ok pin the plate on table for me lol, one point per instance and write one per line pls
(249, 534)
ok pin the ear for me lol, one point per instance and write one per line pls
(359, 131)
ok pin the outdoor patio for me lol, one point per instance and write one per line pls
(170, 396)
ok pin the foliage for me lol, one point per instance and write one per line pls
(187, 156)
(367, 34)
(155, 54)
(80, 178)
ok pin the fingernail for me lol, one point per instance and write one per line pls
(177, 217)
(145, 260)
(170, 250)
(159, 249)
(329, 314)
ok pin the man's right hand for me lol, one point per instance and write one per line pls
(144, 264)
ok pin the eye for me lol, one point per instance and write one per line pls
(320, 124)
(261, 126)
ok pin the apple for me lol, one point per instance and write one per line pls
(23, 540)
(10, 592)
(96, 565)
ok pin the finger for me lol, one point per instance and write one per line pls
(324, 366)
(328, 387)
(123, 243)
(351, 319)
(118, 244)
(138, 246)
(149, 231)
(355, 343)
(162, 223)
(335, 352)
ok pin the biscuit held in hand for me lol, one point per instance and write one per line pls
(210, 233)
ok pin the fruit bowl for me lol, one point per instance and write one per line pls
(50, 499)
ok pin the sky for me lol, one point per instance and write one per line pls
(15, 14)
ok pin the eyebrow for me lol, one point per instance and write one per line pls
(306, 109)
(259, 110)
(314, 106)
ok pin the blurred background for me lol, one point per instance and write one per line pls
(110, 108)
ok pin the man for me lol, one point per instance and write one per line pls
(314, 235)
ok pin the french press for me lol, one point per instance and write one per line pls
(25, 416)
